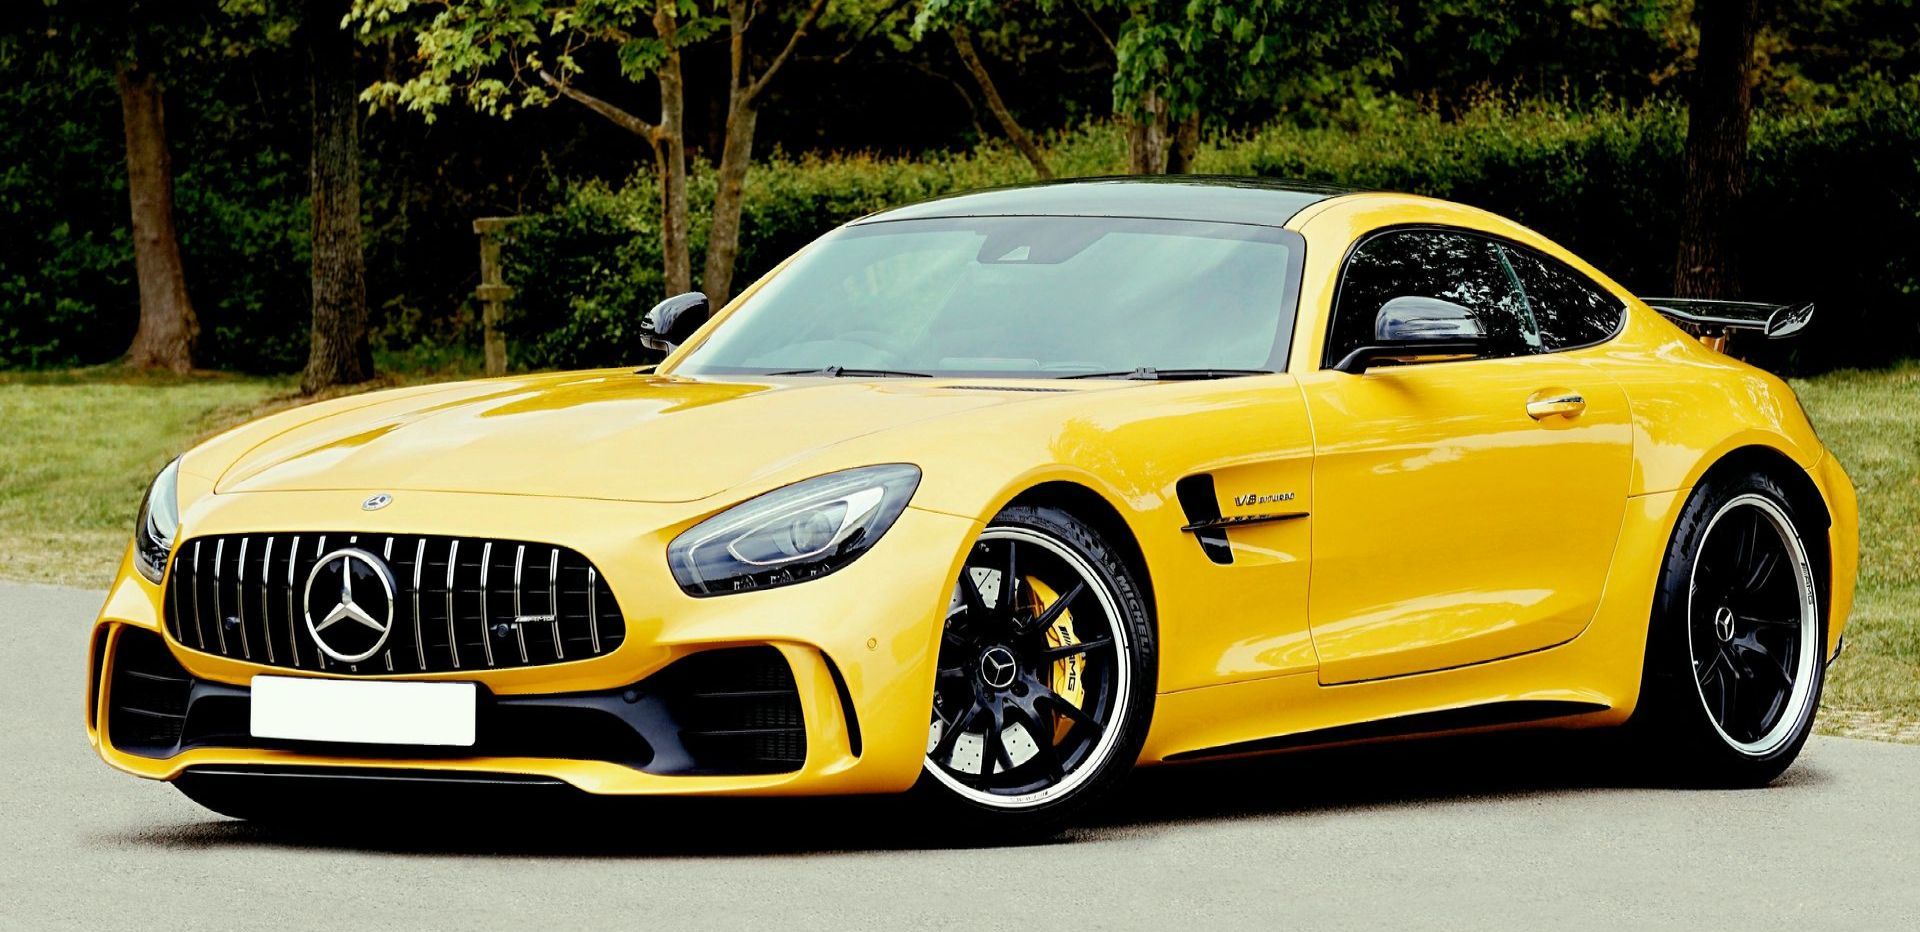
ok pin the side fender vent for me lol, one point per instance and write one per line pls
(1202, 506)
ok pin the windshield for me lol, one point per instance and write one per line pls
(1047, 297)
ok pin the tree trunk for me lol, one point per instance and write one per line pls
(1186, 144)
(1147, 137)
(668, 141)
(169, 332)
(339, 353)
(964, 44)
(1717, 122)
(723, 238)
(670, 155)
(744, 96)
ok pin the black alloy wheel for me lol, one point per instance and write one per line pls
(1736, 653)
(1040, 695)
(1753, 626)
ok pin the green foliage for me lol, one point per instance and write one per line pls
(67, 290)
(585, 272)
(1200, 55)
(1832, 209)
(490, 55)
(58, 267)
(1374, 92)
(1834, 204)
(1195, 56)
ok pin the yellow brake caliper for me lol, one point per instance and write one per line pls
(1067, 672)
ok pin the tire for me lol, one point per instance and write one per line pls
(1736, 647)
(1042, 701)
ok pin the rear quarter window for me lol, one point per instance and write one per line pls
(1570, 309)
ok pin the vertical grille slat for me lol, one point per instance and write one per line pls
(219, 616)
(240, 600)
(199, 620)
(319, 550)
(419, 636)
(453, 636)
(266, 603)
(486, 566)
(519, 632)
(293, 631)
(261, 579)
(553, 602)
(593, 607)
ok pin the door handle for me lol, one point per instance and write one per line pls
(1556, 404)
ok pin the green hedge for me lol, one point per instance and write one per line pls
(587, 271)
(1833, 210)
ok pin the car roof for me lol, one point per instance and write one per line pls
(1214, 198)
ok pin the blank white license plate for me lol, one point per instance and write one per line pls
(379, 712)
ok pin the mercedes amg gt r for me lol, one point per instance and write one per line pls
(994, 497)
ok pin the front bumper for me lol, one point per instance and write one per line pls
(860, 644)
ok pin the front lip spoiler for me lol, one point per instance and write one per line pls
(1837, 649)
(444, 778)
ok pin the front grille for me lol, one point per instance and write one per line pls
(459, 603)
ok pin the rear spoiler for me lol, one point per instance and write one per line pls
(1713, 321)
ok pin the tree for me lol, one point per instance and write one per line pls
(339, 352)
(1175, 61)
(745, 93)
(169, 331)
(957, 19)
(500, 56)
(134, 40)
(1718, 118)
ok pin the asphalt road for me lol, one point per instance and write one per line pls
(1444, 834)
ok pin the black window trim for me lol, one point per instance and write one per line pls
(1327, 362)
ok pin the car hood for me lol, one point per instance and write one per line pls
(612, 435)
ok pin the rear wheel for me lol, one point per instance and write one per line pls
(1734, 665)
(1045, 680)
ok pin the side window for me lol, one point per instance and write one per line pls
(1571, 310)
(1467, 270)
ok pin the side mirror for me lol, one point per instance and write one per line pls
(1411, 328)
(672, 321)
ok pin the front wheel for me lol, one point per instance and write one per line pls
(1045, 680)
(1734, 665)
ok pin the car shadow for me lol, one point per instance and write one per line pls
(1442, 771)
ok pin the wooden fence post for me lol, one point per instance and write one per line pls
(493, 291)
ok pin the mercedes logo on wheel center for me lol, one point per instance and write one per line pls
(349, 604)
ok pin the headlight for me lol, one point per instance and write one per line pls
(792, 534)
(159, 519)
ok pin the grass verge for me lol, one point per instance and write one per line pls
(1867, 419)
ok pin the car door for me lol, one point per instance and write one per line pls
(1464, 510)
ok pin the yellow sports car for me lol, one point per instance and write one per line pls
(992, 498)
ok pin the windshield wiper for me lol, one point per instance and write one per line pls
(834, 372)
(1150, 374)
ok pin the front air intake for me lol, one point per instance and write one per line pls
(147, 695)
(737, 711)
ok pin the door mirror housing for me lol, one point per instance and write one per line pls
(672, 321)
(1412, 328)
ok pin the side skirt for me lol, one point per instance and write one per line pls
(1443, 720)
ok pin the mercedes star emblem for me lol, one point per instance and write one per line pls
(997, 667)
(355, 592)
